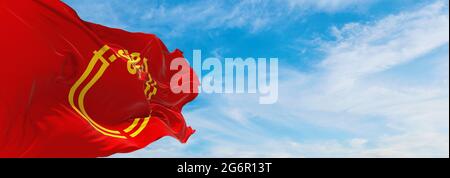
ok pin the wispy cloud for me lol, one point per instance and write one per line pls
(363, 49)
(174, 19)
(255, 15)
(351, 90)
(327, 5)
(381, 89)
(372, 116)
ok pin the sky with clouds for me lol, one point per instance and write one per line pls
(357, 78)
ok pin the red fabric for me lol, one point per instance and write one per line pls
(45, 51)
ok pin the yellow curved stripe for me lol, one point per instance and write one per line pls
(98, 55)
(81, 80)
(104, 133)
(132, 126)
(83, 94)
(139, 130)
(77, 84)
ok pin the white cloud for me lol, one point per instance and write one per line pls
(417, 115)
(211, 15)
(173, 19)
(327, 5)
(387, 119)
(349, 93)
(365, 49)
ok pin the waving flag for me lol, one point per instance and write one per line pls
(71, 88)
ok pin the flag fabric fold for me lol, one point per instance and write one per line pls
(71, 88)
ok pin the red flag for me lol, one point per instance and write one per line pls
(71, 88)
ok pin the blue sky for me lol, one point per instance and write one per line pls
(357, 78)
